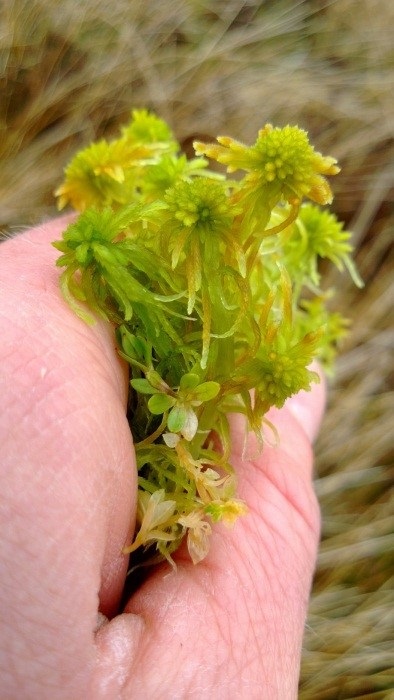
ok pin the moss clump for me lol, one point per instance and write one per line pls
(205, 280)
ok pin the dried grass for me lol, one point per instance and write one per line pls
(71, 71)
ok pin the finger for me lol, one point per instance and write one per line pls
(70, 481)
(294, 427)
(81, 373)
(308, 408)
(237, 618)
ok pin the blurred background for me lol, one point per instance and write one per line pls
(71, 71)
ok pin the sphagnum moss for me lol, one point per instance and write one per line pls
(214, 289)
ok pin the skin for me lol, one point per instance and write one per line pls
(230, 627)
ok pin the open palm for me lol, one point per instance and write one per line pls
(230, 627)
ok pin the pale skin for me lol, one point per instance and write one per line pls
(230, 627)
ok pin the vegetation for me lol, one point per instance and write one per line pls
(203, 277)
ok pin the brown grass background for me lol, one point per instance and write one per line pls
(71, 71)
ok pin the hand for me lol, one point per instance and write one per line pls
(230, 627)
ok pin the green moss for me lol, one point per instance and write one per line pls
(204, 279)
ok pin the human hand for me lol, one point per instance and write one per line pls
(230, 627)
